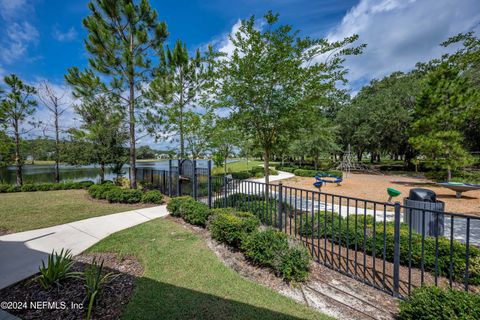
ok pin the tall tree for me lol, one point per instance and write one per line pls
(180, 86)
(123, 37)
(274, 76)
(103, 128)
(441, 111)
(55, 102)
(198, 131)
(225, 137)
(16, 107)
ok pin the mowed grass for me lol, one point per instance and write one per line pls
(184, 279)
(22, 211)
(241, 165)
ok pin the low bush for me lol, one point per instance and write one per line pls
(442, 304)
(153, 196)
(195, 212)
(336, 227)
(31, 187)
(313, 173)
(274, 249)
(229, 226)
(175, 203)
(99, 191)
(120, 195)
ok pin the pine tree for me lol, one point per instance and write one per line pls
(16, 107)
(123, 37)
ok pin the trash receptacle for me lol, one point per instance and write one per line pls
(418, 206)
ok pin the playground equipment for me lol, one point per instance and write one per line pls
(392, 193)
(348, 164)
(323, 178)
(459, 187)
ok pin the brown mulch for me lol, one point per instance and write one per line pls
(67, 301)
(374, 187)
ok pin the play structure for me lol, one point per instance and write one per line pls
(348, 164)
(459, 187)
(392, 193)
(323, 178)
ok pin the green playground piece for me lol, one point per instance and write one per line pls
(392, 193)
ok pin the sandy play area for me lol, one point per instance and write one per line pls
(373, 187)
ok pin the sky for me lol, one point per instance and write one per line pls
(41, 39)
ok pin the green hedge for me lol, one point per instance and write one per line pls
(30, 187)
(313, 173)
(274, 249)
(340, 232)
(116, 194)
(152, 196)
(191, 211)
(229, 226)
(442, 304)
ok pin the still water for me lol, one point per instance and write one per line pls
(45, 173)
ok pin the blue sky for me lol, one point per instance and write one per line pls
(40, 39)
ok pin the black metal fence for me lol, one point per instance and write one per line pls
(373, 242)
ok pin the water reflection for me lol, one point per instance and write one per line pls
(45, 173)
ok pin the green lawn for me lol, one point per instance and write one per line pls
(184, 279)
(241, 165)
(22, 211)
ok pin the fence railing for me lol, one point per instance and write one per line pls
(374, 242)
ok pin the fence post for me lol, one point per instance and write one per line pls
(194, 179)
(396, 251)
(209, 183)
(225, 191)
(280, 206)
(170, 186)
(179, 171)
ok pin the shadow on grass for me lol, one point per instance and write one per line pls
(157, 300)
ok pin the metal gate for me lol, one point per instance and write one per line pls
(186, 177)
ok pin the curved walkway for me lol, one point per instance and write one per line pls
(21, 253)
(280, 176)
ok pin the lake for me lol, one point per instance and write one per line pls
(45, 173)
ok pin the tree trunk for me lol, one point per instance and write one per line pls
(225, 164)
(18, 160)
(57, 145)
(102, 172)
(266, 167)
(131, 111)
(449, 174)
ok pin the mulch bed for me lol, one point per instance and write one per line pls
(71, 294)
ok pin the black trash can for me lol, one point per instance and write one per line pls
(418, 206)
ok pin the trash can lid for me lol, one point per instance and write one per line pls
(420, 194)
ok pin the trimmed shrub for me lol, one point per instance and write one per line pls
(294, 265)
(313, 173)
(153, 196)
(31, 187)
(442, 304)
(195, 213)
(274, 249)
(99, 191)
(120, 195)
(265, 247)
(229, 226)
(174, 205)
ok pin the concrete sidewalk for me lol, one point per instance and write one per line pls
(21, 253)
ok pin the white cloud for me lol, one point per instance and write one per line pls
(400, 33)
(224, 43)
(10, 9)
(69, 35)
(18, 38)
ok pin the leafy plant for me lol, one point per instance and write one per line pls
(153, 196)
(57, 269)
(442, 304)
(124, 195)
(174, 205)
(95, 280)
(229, 226)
